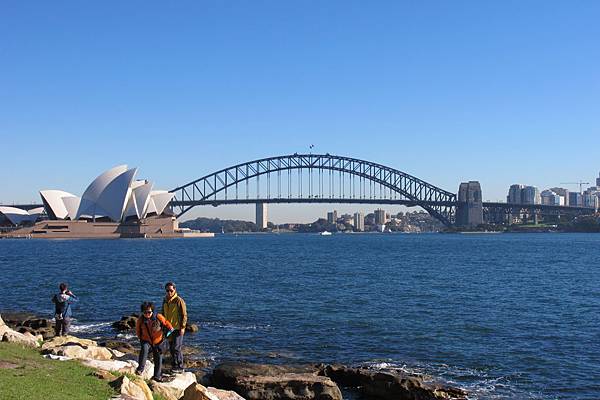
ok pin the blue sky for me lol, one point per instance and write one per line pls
(500, 92)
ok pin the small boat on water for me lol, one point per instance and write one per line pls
(325, 233)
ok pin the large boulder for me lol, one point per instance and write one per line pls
(199, 392)
(126, 323)
(120, 366)
(132, 389)
(7, 334)
(81, 353)
(269, 382)
(59, 341)
(174, 389)
(25, 322)
(224, 394)
(73, 347)
(390, 384)
(37, 323)
(119, 345)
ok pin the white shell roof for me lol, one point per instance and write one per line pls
(141, 195)
(72, 205)
(114, 194)
(113, 198)
(160, 200)
(55, 199)
(91, 195)
(36, 211)
(16, 215)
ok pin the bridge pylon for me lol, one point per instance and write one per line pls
(261, 215)
(469, 212)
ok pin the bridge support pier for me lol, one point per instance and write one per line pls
(261, 216)
(469, 213)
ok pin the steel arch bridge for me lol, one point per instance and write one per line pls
(314, 178)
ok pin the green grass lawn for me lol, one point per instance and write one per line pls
(25, 374)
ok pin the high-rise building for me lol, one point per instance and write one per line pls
(598, 180)
(563, 193)
(522, 194)
(591, 198)
(575, 199)
(380, 218)
(261, 215)
(530, 195)
(359, 221)
(515, 194)
(332, 217)
(547, 197)
(551, 198)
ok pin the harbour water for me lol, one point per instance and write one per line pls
(510, 316)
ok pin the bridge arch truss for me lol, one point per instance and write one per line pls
(314, 178)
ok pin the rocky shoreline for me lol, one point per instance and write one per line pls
(226, 381)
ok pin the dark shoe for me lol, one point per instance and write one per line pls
(177, 370)
(157, 379)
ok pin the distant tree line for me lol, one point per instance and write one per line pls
(583, 224)
(319, 225)
(217, 225)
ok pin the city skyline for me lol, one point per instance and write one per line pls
(223, 85)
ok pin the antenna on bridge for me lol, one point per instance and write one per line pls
(310, 148)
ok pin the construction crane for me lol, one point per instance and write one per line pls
(580, 183)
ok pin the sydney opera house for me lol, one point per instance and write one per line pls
(115, 204)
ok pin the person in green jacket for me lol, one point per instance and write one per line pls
(175, 311)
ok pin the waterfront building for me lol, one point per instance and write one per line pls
(530, 195)
(380, 218)
(114, 205)
(115, 195)
(547, 197)
(564, 193)
(575, 199)
(359, 221)
(347, 219)
(515, 194)
(591, 198)
(551, 198)
(332, 217)
(522, 194)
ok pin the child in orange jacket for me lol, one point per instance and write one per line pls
(149, 329)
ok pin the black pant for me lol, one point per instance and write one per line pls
(61, 328)
(175, 343)
(156, 355)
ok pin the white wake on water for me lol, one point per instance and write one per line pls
(480, 385)
(90, 328)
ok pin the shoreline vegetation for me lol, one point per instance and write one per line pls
(586, 224)
(36, 365)
(415, 222)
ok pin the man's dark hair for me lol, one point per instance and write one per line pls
(170, 284)
(63, 286)
(147, 305)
